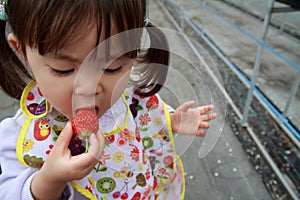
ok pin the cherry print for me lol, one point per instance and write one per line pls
(30, 96)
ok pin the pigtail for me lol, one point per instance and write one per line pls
(154, 73)
(13, 74)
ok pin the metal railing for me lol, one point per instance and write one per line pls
(252, 89)
(262, 46)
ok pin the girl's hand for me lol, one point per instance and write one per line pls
(191, 121)
(60, 167)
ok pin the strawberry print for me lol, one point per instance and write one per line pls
(152, 103)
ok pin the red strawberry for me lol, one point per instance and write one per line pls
(84, 124)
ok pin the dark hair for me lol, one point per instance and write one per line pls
(49, 25)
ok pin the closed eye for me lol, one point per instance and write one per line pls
(62, 72)
(113, 71)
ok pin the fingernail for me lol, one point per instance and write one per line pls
(93, 137)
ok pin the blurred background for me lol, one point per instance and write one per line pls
(244, 57)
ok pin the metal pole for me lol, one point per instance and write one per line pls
(292, 94)
(259, 56)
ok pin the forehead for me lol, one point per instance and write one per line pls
(86, 46)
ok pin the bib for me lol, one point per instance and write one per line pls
(138, 160)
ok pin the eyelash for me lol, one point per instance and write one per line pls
(67, 72)
(61, 72)
(113, 71)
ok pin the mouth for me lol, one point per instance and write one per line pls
(94, 109)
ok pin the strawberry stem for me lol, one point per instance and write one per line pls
(86, 144)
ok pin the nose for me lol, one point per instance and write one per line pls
(86, 94)
(88, 88)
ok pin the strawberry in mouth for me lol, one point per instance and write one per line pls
(84, 124)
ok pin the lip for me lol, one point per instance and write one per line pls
(94, 109)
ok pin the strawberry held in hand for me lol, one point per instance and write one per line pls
(84, 124)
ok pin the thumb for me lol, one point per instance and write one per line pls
(96, 145)
(186, 105)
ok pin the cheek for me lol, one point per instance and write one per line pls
(59, 96)
(57, 90)
(119, 86)
(62, 102)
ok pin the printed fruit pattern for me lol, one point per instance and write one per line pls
(30, 96)
(76, 146)
(84, 124)
(152, 103)
(109, 140)
(106, 185)
(37, 109)
(33, 161)
(135, 107)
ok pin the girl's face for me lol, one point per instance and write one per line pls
(57, 75)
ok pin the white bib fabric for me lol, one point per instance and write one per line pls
(138, 160)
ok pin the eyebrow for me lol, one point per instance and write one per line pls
(70, 58)
(61, 56)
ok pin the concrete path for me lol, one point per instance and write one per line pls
(225, 172)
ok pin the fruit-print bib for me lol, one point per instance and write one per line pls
(138, 160)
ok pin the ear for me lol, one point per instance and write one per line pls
(14, 43)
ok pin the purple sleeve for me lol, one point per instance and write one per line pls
(15, 179)
(14, 175)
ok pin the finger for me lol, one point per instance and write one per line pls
(200, 133)
(204, 125)
(186, 105)
(64, 138)
(96, 145)
(85, 161)
(207, 108)
(208, 117)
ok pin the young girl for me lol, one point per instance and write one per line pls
(44, 46)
